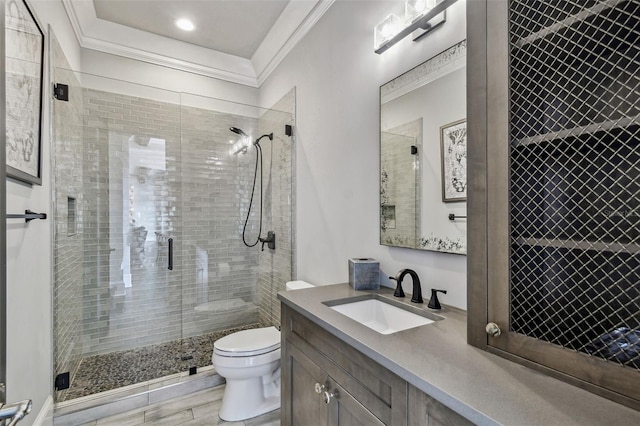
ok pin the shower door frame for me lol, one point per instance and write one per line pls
(3, 216)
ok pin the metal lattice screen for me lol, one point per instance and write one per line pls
(575, 175)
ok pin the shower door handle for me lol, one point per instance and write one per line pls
(170, 241)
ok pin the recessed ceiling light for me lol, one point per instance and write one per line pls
(185, 24)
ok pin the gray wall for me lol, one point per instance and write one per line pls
(29, 257)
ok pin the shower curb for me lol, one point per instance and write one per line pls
(88, 409)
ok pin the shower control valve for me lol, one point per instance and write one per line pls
(270, 240)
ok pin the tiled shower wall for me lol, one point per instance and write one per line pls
(216, 189)
(67, 156)
(401, 189)
(200, 200)
(149, 311)
(276, 267)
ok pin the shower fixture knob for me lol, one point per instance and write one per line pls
(270, 240)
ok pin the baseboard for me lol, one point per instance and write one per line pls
(45, 416)
(88, 409)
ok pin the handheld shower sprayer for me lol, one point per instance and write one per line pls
(238, 131)
(271, 237)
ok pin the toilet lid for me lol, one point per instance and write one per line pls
(248, 342)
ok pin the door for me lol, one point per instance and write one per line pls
(307, 382)
(118, 217)
(318, 399)
(8, 410)
(345, 410)
(563, 177)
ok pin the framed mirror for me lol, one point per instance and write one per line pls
(423, 167)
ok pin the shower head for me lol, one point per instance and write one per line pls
(237, 131)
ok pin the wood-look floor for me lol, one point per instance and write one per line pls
(196, 409)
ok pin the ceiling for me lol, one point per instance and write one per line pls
(236, 27)
(239, 41)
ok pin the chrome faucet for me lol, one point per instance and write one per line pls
(416, 297)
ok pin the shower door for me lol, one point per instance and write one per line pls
(117, 271)
(150, 205)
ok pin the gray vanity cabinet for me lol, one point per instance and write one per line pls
(326, 403)
(359, 390)
(327, 382)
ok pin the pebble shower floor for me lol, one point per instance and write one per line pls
(118, 369)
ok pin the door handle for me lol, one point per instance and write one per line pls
(493, 329)
(170, 241)
(15, 412)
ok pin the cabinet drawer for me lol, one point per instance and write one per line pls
(383, 393)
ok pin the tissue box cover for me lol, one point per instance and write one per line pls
(364, 274)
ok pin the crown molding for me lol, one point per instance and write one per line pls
(293, 24)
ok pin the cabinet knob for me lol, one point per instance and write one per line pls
(328, 395)
(492, 329)
(320, 388)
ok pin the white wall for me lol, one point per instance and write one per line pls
(29, 319)
(337, 77)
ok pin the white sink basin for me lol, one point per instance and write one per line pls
(380, 316)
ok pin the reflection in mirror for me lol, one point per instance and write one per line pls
(423, 155)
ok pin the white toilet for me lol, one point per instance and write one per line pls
(250, 362)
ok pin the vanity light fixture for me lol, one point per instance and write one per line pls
(419, 14)
(386, 30)
(416, 9)
(185, 24)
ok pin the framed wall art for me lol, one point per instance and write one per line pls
(453, 146)
(24, 84)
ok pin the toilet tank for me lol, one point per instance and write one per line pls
(297, 285)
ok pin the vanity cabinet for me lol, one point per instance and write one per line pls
(554, 177)
(316, 398)
(327, 382)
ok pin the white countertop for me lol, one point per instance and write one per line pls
(480, 386)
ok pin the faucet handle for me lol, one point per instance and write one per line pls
(434, 303)
(399, 292)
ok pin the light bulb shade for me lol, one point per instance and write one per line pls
(386, 30)
(415, 9)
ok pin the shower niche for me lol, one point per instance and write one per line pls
(155, 185)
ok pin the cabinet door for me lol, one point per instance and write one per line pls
(563, 177)
(306, 406)
(424, 410)
(345, 410)
(317, 399)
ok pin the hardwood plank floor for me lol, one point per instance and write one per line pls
(196, 409)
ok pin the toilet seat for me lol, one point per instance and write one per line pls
(247, 343)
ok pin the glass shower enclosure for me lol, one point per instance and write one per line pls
(151, 193)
